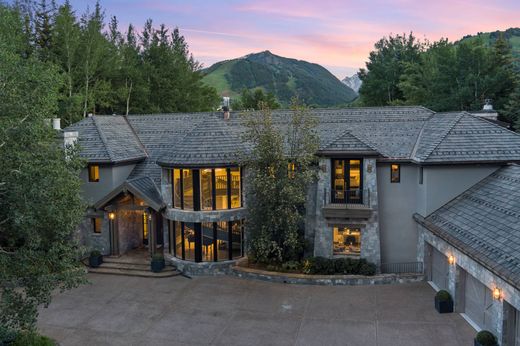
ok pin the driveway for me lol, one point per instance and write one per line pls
(118, 310)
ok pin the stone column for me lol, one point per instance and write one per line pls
(322, 231)
(370, 239)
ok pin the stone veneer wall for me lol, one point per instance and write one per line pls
(456, 275)
(322, 229)
(94, 241)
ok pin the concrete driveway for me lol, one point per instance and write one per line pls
(117, 310)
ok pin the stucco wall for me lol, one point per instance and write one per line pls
(397, 204)
(109, 178)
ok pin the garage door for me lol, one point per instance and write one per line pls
(478, 303)
(439, 269)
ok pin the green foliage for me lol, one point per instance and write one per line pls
(443, 296)
(346, 266)
(32, 339)
(283, 77)
(95, 253)
(7, 336)
(251, 100)
(486, 338)
(38, 252)
(276, 195)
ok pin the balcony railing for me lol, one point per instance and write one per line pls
(354, 197)
(402, 268)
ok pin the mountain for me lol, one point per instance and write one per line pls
(284, 77)
(512, 35)
(353, 82)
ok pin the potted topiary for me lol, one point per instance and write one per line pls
(485, 338)
(95, 259)
(443, 302)
(157, 263)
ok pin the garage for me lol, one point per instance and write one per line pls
(478, 302)
(439, 269)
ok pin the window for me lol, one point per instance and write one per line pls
(221, 186)
(187, 189)
(93, 173)
(395, 173)
(189, 241)
(97, 224)
(236, 197)
(222, 241)
(291, 170)
(206, 189)
(207, 241)
(421, 175)
(236, 236)
(347, 181)
(177, 188)
(145, 228)
(346, 241)
(178, 239)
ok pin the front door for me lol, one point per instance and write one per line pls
(145, 228)
(347, 181)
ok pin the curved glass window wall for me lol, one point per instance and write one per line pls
(207, 188)
(207, 241)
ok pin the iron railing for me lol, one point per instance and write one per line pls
(402, 268)
(345, 197)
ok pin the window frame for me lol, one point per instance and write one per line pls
(93, 176)
(346, 180)
(95, 228)
(392, 179)
(357, 228)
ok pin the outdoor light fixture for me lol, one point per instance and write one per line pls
(497, 293)
(111, 215)
(451, 259)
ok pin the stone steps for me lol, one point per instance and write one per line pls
(166, 272)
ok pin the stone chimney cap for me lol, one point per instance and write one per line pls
(56, 123)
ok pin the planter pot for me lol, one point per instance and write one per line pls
(157, 265)
(476, 343)
(444, 307)
(95, 261)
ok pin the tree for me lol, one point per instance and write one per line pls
(38, 252)
(385, 68)
(251, 100)
(280, 166)
(43, 28)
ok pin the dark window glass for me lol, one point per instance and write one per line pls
(93, 173)
(177, 188)
(421, 175)
(187, 189)
(178, 239)
(236, 236)
(97, 224)
(189, 241)
(395, 173)
(206, 191)
(222, 241)
(207, 241)
(221, 185)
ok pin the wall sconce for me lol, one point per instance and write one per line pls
(369, 168)
(111, 215)
(497, 293)
(451, 260)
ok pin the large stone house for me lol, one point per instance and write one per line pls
(402, 187)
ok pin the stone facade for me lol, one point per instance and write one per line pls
(94, 241)
(500, 309)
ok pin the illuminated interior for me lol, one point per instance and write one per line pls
(347, 183)
(395, 173)
(97, 224)
(347, 241)
(207, 241)
(145, 228)
(93, 173)
(206, 188)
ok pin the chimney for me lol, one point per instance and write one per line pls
(226, 112)
(89, 115)
(56, 123)
(488, 106)
(68, 141)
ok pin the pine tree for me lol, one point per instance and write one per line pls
(44, 20)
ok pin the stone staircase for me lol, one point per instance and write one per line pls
(131, 267)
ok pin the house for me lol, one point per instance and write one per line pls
(403, 187)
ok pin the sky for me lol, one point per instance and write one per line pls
(337, 34)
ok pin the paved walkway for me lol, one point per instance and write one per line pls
(116, 310)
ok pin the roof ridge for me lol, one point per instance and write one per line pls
(417, 141)
(103, 137)
(136, 136)
(491, 123)
(441, 138)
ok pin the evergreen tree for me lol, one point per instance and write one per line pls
(44, 18)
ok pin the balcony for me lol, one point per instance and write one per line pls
(347, 204)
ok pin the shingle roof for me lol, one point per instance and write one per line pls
(108, 139)
(211, 143)
(484, 222)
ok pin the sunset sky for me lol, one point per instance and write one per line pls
(337, 34)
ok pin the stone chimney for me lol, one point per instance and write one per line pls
(488, 106)
(68, 141)
(56, 123)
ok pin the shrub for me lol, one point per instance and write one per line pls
(7, 336)
(291, 266)
(443, 296)
(95, 253)
(32, 339)
(368, 269)
(486, 338)
(340, 265)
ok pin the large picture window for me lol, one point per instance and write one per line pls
(346, 241)
(93, 173)
(216, 241)
(207, 188)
